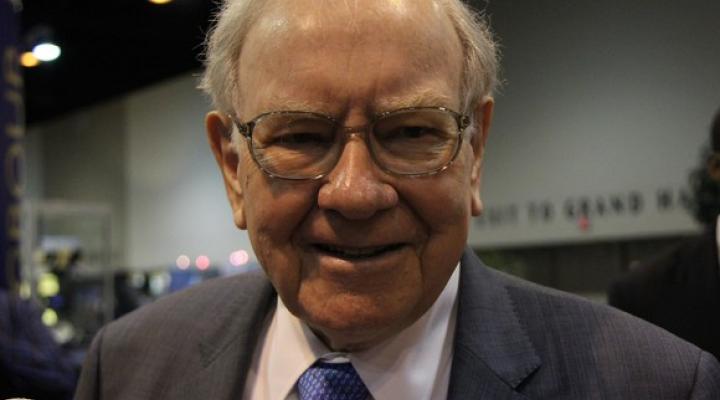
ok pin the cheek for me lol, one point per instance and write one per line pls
(443, 203)
(447, 214)
(275, 210)
(274, 207)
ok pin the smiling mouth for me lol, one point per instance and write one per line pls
(356, 252)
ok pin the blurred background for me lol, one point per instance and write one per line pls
(604, 114)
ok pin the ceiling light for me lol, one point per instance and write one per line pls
(28, 60)
(46, 51)
(160, 1)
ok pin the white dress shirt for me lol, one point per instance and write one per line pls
(413, 365)
(717, 239)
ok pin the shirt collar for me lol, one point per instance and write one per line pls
(717, 239)
(413, 364)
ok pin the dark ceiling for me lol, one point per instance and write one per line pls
(109, 47)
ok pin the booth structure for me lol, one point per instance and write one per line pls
(66, 267)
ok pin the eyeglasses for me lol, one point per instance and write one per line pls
(304, 145)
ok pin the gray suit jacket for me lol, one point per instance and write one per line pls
(514, 340)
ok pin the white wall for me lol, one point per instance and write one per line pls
(175, 198)
(80, 159)
(602, 99)
(145, 156)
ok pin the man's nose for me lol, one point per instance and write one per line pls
(355, 188)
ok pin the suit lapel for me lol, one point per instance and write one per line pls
(492, 353)
(228, 343)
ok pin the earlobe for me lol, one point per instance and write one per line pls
(475, 183)
(218, 127)
(476, 204)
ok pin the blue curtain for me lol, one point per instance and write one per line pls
(11, 144)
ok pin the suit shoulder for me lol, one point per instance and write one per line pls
(188, 328)
(197, 311)
(609, 342)
(145, 353)
(653, 286)
(672, 264)
(581, 315)
(209, 295)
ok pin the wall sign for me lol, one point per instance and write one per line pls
(570, 218)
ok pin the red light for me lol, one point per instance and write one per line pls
(202, 263)
(584, 223)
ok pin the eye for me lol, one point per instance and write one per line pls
(414, 127)
(415, 133)
(292, 132)
(301, 138)
(411, 132)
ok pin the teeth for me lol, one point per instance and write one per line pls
(356, 252)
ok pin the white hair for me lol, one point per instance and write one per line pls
(235, 18)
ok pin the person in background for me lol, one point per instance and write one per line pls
(32, 364)
(680, 289)
(350, 137)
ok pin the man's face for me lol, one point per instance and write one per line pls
(359, 254)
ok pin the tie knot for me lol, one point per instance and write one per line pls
(328, 381)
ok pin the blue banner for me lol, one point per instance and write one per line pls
(12, 131)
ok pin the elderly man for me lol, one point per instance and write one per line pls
(350, 136)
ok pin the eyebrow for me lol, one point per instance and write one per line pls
(286, 104)
(421, 99)
(426, 98)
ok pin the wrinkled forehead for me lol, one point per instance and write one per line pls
(384, 33)
(421, 24)
(281, 16)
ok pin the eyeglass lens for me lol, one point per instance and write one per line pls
(307, 145)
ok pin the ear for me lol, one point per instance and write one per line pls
(713, 167)
(219, 128)
(482, 117)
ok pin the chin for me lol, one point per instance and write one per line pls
(352, 322)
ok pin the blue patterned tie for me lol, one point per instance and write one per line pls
(326, 381)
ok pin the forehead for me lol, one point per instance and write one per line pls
(310, 17)
(380, 51)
